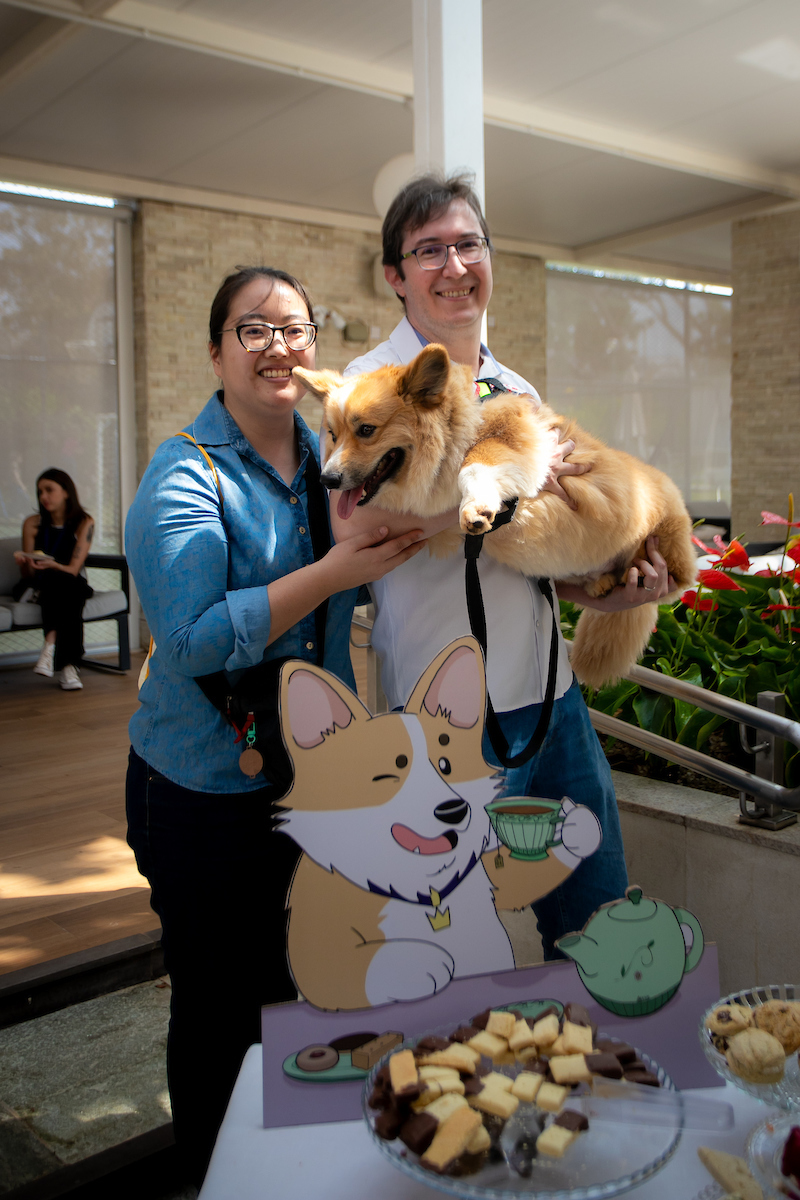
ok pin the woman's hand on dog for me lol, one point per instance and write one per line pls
(656, 582)
(367, 557)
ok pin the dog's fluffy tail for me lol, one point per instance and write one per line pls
(606, 645)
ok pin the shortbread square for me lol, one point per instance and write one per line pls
(495, 1079)
(577, 1038)
(495, 1101)
(526, 1085)
(489, 1044)
(501, 1023)
(445, 1106)
(451, 1139)
(461, 1058)
(521, 1036)
(570, 1068)
(554, 1140)
(545, 1031)
(551, 1096)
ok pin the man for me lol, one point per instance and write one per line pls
(437, 257)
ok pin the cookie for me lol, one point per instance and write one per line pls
(756, 1056)
(729, 1019)
(731, 1172)
(781, 1018)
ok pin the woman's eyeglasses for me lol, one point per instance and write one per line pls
(255, 335)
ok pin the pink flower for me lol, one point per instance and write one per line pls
(718, 581)
(702, 545)
(768, 518)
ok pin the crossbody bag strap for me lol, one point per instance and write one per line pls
(216, 686)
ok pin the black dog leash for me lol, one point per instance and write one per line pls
(473, 544)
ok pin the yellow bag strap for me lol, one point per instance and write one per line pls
(207, 457)
(145, 671)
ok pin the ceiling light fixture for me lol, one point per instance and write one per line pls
(24, 189)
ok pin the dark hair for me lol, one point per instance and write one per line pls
(75, 512)
(424, 199)
(233, 284)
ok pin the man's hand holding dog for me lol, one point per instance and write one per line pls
(648, 582)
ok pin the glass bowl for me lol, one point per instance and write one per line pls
(764, 1151)
(607, 1160)
(786, 1093)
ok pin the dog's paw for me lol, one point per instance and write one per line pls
(602, 585)
(476, 517)
(407, 970)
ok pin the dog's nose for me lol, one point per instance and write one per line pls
(331, 480)
(452, 812)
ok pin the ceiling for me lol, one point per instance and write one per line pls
(617, 131)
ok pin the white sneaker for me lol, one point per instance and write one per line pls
(45, 664)
(70, 679)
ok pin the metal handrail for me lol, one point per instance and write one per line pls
(695, 760)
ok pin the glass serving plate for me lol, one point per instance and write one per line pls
(712, 1191)
(764, 1152)
(607, 1160)
(786, 1093)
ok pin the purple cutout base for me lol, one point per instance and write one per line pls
(669, 1035)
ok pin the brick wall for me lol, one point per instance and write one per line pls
(765, 381)
(181, 255)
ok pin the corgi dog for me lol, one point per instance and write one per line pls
(415, 439)
(400, 880)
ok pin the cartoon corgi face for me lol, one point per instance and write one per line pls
(383, 432)
(395, 803)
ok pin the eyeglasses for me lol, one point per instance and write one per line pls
(256, 336)
(433, 258)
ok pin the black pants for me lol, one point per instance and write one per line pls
(62, 597)
(219, 876)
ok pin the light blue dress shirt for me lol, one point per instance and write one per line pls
(202, 580)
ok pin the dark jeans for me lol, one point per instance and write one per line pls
(219, 875)
(62, 597)
(570, 763)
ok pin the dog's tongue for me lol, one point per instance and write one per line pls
(412, 841)
(348, 500)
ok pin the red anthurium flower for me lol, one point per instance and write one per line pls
(794, 552)
(734, 556)
(699, 604)
(768, 518)
(718, 581)
(767, 573)
(702, 545)
(773, 608)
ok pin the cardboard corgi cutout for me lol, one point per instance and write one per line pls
(401, 877)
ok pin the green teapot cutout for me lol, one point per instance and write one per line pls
(633, 953)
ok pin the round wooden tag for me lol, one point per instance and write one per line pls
(250, 762)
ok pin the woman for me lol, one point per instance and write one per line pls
(227, 578)
(55, 545)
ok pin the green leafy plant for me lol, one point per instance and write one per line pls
(735, 634)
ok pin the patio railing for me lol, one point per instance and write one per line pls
(775, 805)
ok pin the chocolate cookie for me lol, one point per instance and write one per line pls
(729, 1019)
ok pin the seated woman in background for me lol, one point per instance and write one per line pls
(55, 545)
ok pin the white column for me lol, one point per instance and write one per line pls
(448, 87)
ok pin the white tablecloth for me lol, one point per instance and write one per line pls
(339, 1162)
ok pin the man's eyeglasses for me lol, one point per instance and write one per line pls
(433, 258)
(255, 335)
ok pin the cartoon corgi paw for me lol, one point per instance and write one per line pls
(407, 970)
(580, 833)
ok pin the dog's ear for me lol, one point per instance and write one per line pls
(319, 383)
(455, 684)
(424, 379)
(313, 705)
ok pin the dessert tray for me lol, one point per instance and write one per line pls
(764, 1152)
(786, 1093)
(610, 1158)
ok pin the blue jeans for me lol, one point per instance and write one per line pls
(570, 763)
(219, 876)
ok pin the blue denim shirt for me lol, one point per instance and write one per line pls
(202, 581)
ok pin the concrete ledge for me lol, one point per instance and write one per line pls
(686, 847)
(49, 986)
(695, 809)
